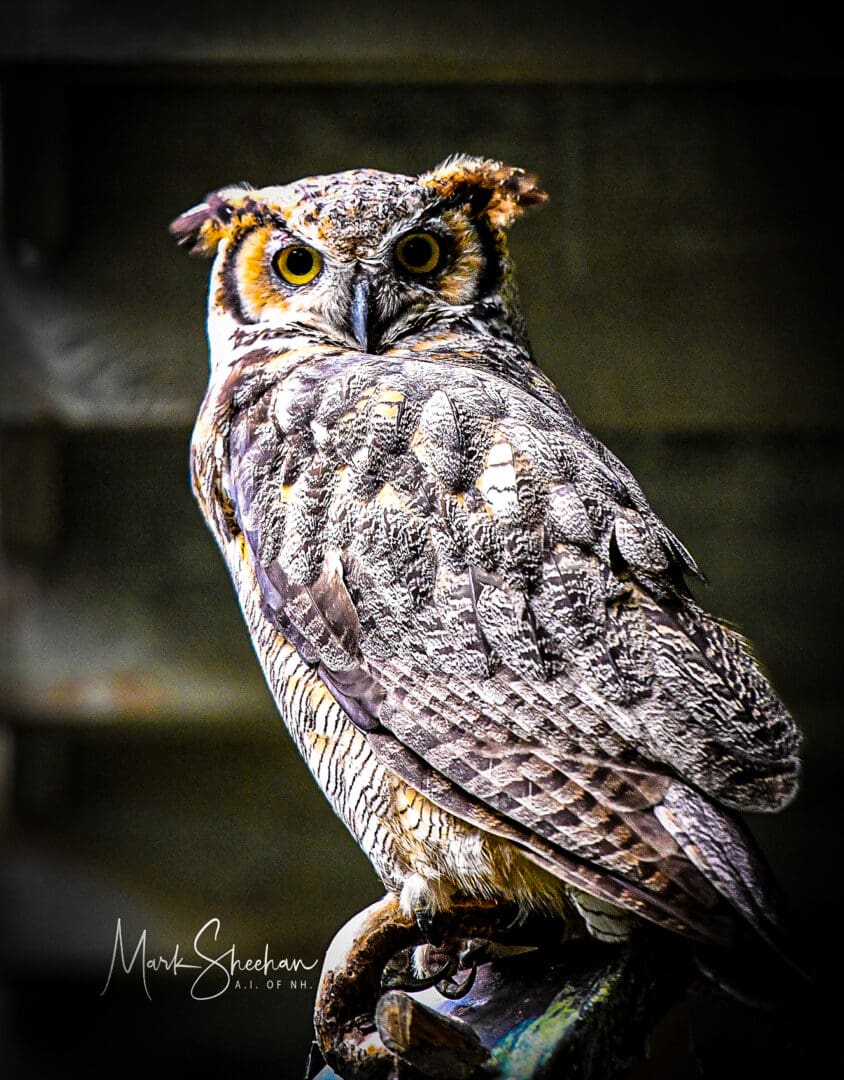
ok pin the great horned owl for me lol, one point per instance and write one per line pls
(479, 634)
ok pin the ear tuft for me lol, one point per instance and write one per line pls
(498, 192)
(201, 228)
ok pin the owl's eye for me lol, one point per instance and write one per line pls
(297, 265)
(419, 252)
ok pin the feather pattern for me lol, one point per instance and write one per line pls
(542, 677)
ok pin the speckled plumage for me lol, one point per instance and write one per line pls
(476, 629)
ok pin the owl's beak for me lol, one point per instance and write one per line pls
(360, 311)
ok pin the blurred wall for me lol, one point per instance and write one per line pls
(682, 287)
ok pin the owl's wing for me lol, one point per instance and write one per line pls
(486, 593)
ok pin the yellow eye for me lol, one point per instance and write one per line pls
(297, 265)
(419, 252)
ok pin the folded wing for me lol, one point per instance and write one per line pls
(487, 593)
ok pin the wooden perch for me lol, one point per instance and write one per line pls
(438, 1046)
(579, 1007)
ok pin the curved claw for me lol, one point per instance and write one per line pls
(430, 926)
(453, 990)
(404, 980)
(518, 920)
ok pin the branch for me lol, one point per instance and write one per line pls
(579, 1007)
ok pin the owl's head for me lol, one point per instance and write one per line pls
(364, 258)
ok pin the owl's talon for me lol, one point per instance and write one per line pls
(429, 926)
(519, 920)
(399, 974)
(452, 990)
(477, 951)
(412, 983)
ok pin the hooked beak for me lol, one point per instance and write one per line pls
(360, 311)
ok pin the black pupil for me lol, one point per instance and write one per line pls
(299, 262)
(417, 251)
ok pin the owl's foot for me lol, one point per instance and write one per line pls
(403, 973)
(383, 939)
(435, 966)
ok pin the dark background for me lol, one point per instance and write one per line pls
(683, 289)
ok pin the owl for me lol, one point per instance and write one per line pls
(480, 636)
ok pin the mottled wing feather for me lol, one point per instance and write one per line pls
(722, 851)
(605, 815)
(684, 902)
(488, 594)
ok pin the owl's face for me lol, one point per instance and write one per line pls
(363, 259)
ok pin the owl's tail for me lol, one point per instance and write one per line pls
(761, 965)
